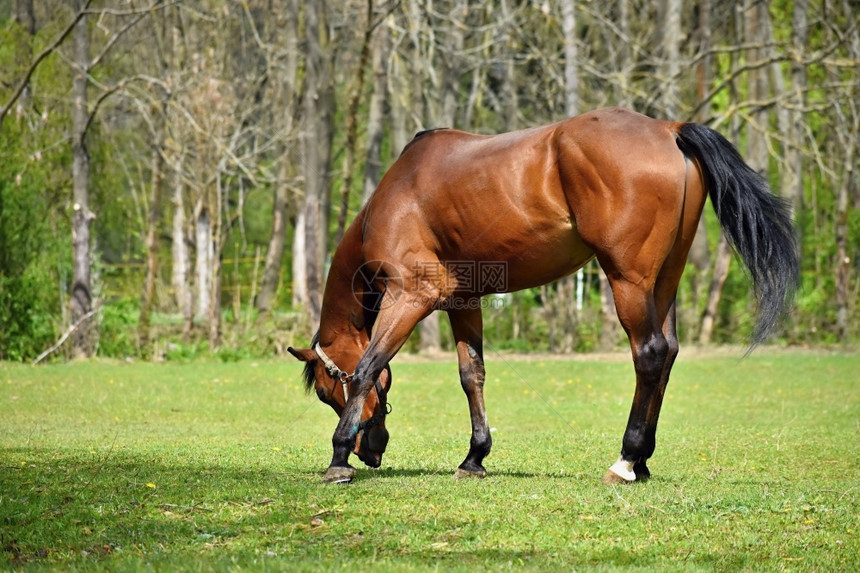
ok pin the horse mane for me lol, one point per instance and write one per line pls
(421, 134)
(308, 374)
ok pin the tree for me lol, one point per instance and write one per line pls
(311, 246)
(81, 296)
(285, 99)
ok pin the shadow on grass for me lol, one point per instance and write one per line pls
(366, 473)
(74, 509)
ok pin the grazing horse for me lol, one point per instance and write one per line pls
(459, 216)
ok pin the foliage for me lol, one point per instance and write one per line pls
(231, 140)
(209, 466)
(32, 265)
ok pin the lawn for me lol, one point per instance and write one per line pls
(210, 466)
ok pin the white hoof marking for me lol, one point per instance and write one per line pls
(623, 469)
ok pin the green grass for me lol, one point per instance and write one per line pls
(218, 466)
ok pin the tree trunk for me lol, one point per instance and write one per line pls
(352, 123)
(179, 250)
(699, 256)
(203, 261)
(847, 126)
(400, 108)
(25, 16)
(275, 252)
(215, 246)
(670, 33)
(571, 58)
(723, 255)
(623, 95)
(285, 98)
(376, 114)
(718, 279)
(565, 302)
(81, 301)
(300, 265)
(756, 32)
(152, 234)
(843, 261)
(510, 101)
(317, 133)
(792, 181)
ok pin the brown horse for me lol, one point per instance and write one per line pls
(459, 216)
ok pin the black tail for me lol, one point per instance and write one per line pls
(756, 223)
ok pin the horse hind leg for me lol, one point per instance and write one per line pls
(669, 331)
(467, 328)
(653, 354)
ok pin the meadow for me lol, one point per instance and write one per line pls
(217, 466)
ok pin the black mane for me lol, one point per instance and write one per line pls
(308, 374)
(419, 135)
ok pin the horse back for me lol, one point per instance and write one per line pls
(541, 200)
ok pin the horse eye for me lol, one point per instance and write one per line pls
(321, 394)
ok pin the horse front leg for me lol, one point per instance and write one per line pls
(392, 328)
(467, 327)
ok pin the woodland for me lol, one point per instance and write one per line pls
(175, 174)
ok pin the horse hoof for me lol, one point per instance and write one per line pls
(339, 475)
(610, 477)
(463, 474)
(620, 472)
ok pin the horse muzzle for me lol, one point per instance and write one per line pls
(372, 446)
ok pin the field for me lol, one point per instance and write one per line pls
(209, 466)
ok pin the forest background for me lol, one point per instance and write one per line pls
(174, 175)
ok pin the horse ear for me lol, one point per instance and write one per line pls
(303, 354)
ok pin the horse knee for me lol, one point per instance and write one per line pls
(471, 378)
(650, 357)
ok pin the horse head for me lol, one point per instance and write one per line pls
(334, 386)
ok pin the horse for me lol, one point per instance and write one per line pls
(459, 216)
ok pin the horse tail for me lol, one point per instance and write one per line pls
(756, 223)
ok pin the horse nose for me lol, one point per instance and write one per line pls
(377, 439)
(372, 459)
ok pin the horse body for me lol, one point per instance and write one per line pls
(541, 202)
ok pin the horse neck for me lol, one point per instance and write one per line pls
(344, 323)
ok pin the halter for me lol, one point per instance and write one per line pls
(345, 378)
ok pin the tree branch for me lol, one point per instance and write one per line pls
(66, 335)
(38, 60)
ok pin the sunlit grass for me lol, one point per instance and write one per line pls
(218, 466)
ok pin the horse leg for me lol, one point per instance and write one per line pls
(669, 331)
(467, 326)
(392, 328)
(638, 314)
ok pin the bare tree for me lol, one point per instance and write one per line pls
(162, 36)
(669, 32)
(81, 300)
(700, 254)
(792, 178)
(285, 99)
(376, 115)
(309, 251)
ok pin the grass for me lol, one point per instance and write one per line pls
(217, 467)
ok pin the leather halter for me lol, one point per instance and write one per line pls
(345, 378)
(334, 371)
